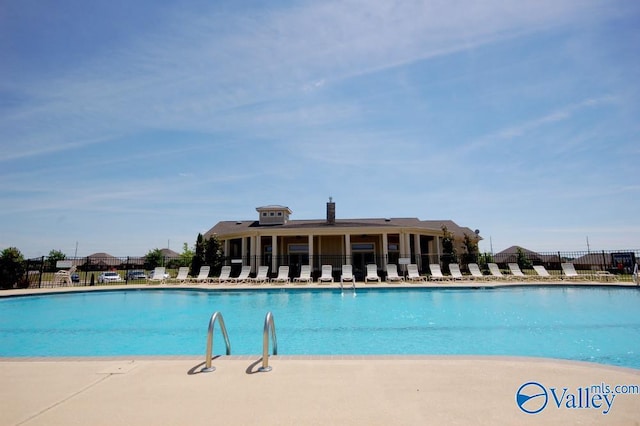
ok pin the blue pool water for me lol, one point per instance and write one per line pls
(590, 324)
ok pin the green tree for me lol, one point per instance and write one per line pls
(198, 256)
(471, 249)
(213, 254)
(53, 258)
(186, 256)
(449, 254)
(12, 268)
(153, 259)
(523, 259)
(485, 258)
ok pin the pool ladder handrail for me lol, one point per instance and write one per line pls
(269, 326)
(353, 286)
(217, 316)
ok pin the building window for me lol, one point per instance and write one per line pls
(271, 214)
(298, 248)
(279, 213)
(362, 247)
(264, 214)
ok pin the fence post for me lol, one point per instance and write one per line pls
(41, 272)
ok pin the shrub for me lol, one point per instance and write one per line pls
(213, 254)
(523, 260)
(53, 258)
(471, 250)
(12, 268)
(449, 254)
(153, 259)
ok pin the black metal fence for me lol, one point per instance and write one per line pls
(41, 272)
(87, 271)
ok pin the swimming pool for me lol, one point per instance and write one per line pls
(590, 324)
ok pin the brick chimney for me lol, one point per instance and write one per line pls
(331, 212)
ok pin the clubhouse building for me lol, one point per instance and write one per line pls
(274, 239)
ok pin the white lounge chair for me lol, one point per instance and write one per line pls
(305, 275)
(436, 272)
(372, 273)
(183, 275)
(243, 277)
(413, 274)
(283, 275)
(326, 275)
(635, 274)
(347, 275)
(542, 272)
(495, 271)
(475, 272)
(203, 274)
(570, 271)
(516, 271)
(225, 275)
(392, 273)
(158, 275)
(63, 276)
(454, 270)
(261, 277)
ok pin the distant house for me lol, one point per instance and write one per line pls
(274, 239)
(510, 255)
(101, 261)
(593, 261)
(169, 254)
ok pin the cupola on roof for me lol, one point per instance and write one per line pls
(273, 214)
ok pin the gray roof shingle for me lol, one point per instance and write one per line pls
(232, 227)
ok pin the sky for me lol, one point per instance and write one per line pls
(129, 126)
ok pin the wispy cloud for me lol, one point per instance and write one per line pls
(518, 130)
(206, 64)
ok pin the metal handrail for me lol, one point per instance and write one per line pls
(353, 286)
(269, 325)
(216, 316)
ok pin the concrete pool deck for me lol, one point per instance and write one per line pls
(304, 390)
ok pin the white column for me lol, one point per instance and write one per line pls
(416, 245)
(403, 247)
(252, 253)
(258, 249)
(385, 251)
(226, 248)
(244, 249)
(311, 249)
(347, 248)
(274, 253)
(437, 249)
